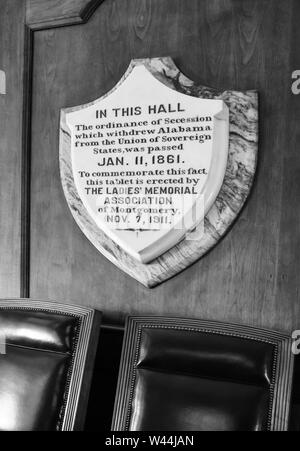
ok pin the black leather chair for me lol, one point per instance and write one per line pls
(46, 362)
(189, 375)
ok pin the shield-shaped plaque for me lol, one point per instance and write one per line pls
(150, 170)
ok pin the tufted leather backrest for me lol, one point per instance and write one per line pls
(188, 375)
(45, 365)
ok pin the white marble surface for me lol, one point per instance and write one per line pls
(240, 171)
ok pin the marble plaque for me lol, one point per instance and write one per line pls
(156, 170)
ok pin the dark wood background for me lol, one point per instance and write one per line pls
(252, 276)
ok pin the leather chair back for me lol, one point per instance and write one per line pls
(189, 375)
(46, 361)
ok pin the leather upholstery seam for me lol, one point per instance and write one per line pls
(36, 309)
(33, 309)
(265, 386)
(29, 309)
(46, 351)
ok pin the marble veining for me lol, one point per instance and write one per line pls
(240, 172)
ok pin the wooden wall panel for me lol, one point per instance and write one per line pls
(287, 295)
(252, 276)
(12, 19)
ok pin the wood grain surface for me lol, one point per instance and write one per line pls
(52, 13)
(252, 276)
(12, 14)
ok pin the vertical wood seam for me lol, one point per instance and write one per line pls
(26, 165)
